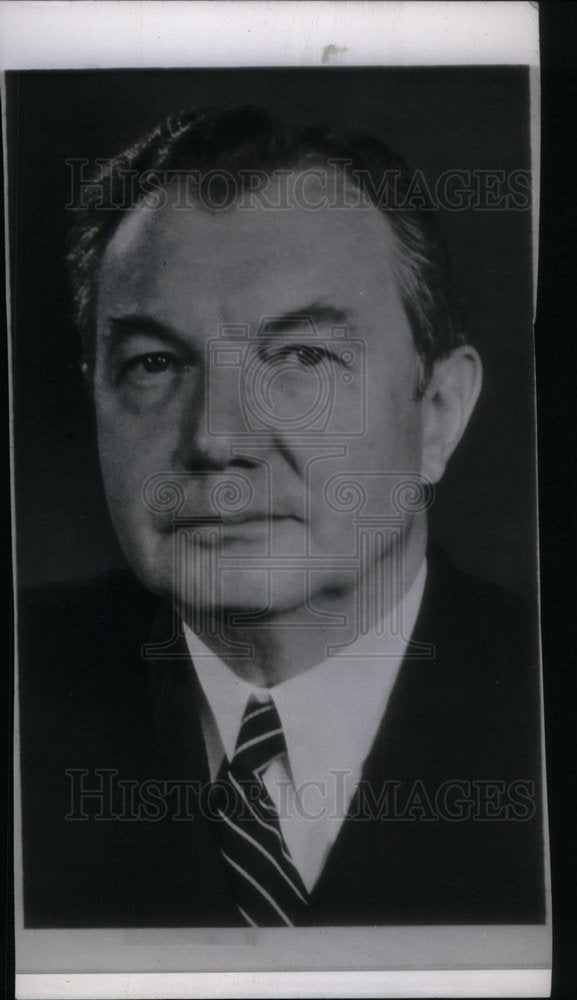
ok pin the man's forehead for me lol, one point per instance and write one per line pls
(188, 264)
(291, 213)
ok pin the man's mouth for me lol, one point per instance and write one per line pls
(242, 521)
(249, 516)
(236, 528)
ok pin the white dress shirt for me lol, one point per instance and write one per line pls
(330, 715)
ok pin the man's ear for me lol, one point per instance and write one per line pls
(447, 406)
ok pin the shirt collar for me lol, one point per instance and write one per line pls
(329, 713)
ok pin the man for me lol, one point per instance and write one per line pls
(302, 714)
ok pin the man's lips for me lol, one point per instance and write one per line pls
(244, 519)
(240, 518)
(247, 517)
(239, 529)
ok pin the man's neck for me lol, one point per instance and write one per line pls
(286, 643)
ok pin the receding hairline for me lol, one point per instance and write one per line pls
(376, 218)
(156, 200)
(386, 247)
(231, 139)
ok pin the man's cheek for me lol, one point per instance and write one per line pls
(125, 441)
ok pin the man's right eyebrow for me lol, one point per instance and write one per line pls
(121, 328)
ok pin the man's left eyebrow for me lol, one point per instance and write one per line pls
(313, 315)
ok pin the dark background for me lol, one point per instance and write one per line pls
(438, 119)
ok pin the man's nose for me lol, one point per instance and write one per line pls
(213, 420)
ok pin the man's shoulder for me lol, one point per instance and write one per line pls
(484, 640)
(468, 603)
(70, 633)
(109, 605)
(90, 597)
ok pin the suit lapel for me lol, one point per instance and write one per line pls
(375, 868)
(188, 886)
(465, 719)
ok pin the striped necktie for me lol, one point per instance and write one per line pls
(265, 884)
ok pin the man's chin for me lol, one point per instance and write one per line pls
(248, 602)
(200, 589)
(244, 593)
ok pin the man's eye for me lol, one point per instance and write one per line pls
(147, 367)
(152, 364)
(309, 354)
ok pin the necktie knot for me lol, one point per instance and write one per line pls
(260, 739)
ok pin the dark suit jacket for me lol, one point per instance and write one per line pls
(459, 746)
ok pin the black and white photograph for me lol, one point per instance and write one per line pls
(275, 517)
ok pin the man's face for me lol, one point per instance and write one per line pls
(218, 363)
